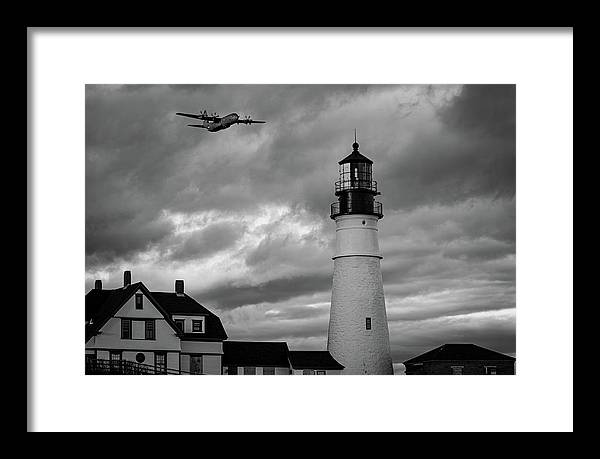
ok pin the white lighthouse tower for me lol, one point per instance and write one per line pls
(358, 335)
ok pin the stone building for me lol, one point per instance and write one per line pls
(461, 359)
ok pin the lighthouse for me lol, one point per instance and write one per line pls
(358, 335)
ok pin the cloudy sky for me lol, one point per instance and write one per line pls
(243, 214)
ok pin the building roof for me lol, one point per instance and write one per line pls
(182, 304)
(355, 157)
(314, 360)
(255, 354)
(101, 305)
(459, 351)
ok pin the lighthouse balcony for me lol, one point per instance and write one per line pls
(355, 184)
(358, 207)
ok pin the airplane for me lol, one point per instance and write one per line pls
(214, 123)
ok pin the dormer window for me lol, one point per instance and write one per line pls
(139, 301)
(198, 326)
(180, 324)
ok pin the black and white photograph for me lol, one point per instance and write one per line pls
(213, 245)
(388, 208)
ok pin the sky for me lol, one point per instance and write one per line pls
(242, 215)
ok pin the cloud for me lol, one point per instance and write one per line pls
(465, 149)
(231, 295)
(205, 242)
(478, 249)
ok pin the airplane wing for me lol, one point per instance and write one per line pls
(190, 115)
(246, 121)
(200, 117)
(198, 126)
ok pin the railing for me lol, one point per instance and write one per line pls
(126, 367)
(349, 184)
(359, 207)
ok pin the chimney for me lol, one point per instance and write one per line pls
(179, 287)
(126, 278)
(98, 285)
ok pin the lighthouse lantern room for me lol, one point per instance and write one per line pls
(356, 188)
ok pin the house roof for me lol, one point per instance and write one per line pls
(101, 305)
(459, 351)
(183, 304)
(255, 354)
(315, 360)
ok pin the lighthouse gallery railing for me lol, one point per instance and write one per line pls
(358, 207)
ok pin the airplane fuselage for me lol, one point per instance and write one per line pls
(224, 123)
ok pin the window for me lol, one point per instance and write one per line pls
(458, 370)
(232, 370)
(139, 301)
(150, 329)
(368, 323)
(125, 328)
(268, 370)
(249, 370)
(180, 324)
(490, 370)
(160, 363)
(308, 372)
(321, 372)
(115, 361)
(198, 326)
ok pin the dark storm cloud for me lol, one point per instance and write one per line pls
(470, 154)
(207, 241)
(485, 110)
(274, 251)
(230, 296)
(125, 235)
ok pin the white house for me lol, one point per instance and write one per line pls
(130, 329)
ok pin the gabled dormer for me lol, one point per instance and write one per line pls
(194, 321)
